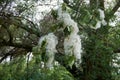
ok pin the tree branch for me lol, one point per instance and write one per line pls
(16, 20)
(101, 4)
(117, 50)
(8, 54)
(112, 12)
(17, 45)
(116, 7)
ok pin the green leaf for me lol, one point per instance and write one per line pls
(36, 50)
(54, 14)
(67, 30)
(70, 60)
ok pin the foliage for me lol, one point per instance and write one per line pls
(75, 21)
(19, 69)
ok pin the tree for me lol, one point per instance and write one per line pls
(77, 35)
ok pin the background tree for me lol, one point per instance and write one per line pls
(20, 32)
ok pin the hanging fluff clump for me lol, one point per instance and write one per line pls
(72, 43)
(51, 42)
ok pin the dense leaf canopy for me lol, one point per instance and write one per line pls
(59, 40)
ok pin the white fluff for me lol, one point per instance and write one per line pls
(68, 46)
(102, 20)
(41, 40)
(64, 16)
(102, 15)
(49, 63)
(72, 46)
(72, 43)
(76, 42)
(51, 42)
(98, 25)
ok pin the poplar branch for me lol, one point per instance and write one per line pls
(116, 7)
(112, 12)
(11, 52)
(16, 20)
(17, 45)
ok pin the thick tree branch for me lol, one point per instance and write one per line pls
(11, 52)
(32, 30)
(17, 45)
(16, 20)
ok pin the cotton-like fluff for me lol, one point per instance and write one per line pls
(51, 49)
(102, 19)
(98, 25)
(64, 16)
(77, 46)
(68, 21)
(72, 46)
(102, 15)
(72, 43)
(51, 42)
(104, 22)
(41, 40)
(49, 63)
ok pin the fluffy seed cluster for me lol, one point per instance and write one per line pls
(72, 43)
(102, 19)
(51, 42)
